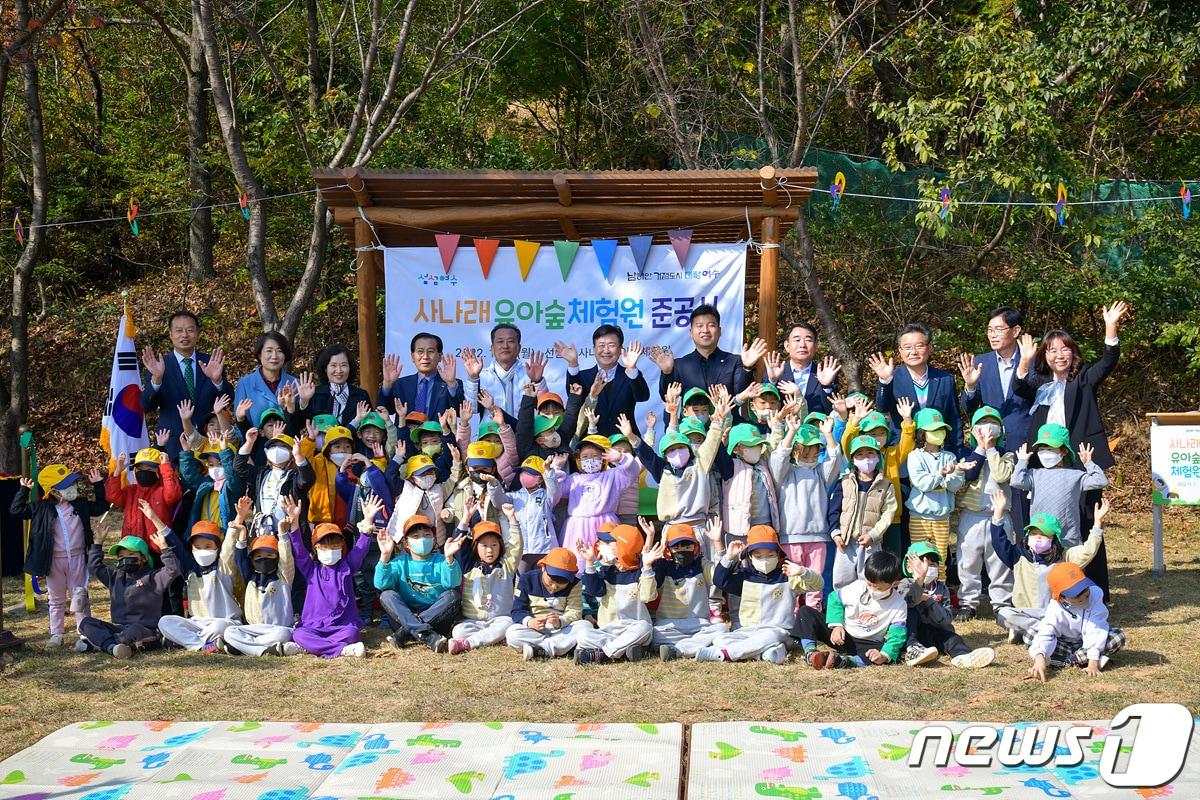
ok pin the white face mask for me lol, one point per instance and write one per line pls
(329, 557)
(426, 481)
(591, 465)
(991, 429)
(866, 463)
(764, 564)
(216, 473)
(550, 440)
(878, 595)
(751, 455)
(765, 414)
(931, 574)
(69, 494)
(1049, 458)
(278, 456)
(608, 552)
(204, 557)
(339, 458)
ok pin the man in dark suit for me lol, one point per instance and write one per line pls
(433, 389)
(925, 385)
(186, 374)
(624, 384)
(816, 381)
(708, 364)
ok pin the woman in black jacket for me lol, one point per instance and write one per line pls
(335, 393)
(60, 535)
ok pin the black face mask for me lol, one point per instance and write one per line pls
(477, 477)
(146, 477)
(265, 566)
(683, 558)
(129, 563)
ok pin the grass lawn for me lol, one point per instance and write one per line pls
(42, 690)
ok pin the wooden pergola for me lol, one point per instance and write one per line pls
(397, 209)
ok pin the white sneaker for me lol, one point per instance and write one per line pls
(81, 645)
(122, 651)
(293, 649)
(356, 650)
(976, 659)
(920, 656)
(775, 655)
(56, 640)
(1015, 637)
(1103, 662)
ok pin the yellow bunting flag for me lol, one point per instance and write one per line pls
(526, 252)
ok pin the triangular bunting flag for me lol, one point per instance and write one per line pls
(486, 250)
(681, 240)
(566, 256)
(526, 251)
(447, 245)
(605, 250)
(640, 246)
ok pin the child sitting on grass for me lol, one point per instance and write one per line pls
(1075, 630)
(930, 622)
(268, 570)
(548, 608)
(489, 568)
(419, 588)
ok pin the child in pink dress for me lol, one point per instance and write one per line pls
(593, 492)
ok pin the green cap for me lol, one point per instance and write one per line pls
(323, 422)
(489, 428)
(930, 419)
(986, 412)
(673, 439)
(770, 388)
(920, 550)
(1056, 436)
(857, 394)
(863, 442)
(542, 424)
(131, 543)
(620, 437)
(807, 435)
(691, 394)
(873, 421)
(815, 418)
(690, 425)
(271, 411)
(1045, 524)
(376, 419)
(745, 435)
(428, 426)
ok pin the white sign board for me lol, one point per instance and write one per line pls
(1175, 464)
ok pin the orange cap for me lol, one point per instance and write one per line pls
(1064, 577)
(546, 397)
(205, 528)
(680, 532)
(561, 563)
(629, 546)
(606, 527)
(415, 416)
(264, 543)
(760, 535)
(485, 527)
(327, 529)
(415, 520)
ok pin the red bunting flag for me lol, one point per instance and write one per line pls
(447, 244)
(681, 241)
(486, 250)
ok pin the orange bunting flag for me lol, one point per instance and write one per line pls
(447, 244)
(486, 250)
(526, 252)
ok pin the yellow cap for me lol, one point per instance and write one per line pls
(600, 441)
(534, 464)
(52, 475)
(283, 439)
(482, 449)
(147, 455)
(418, 464)
(337, 432)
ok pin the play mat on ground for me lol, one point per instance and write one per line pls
(524, 761)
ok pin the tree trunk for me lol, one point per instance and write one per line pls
(256, 236)
(314, 56)
(200, 231)
(15, 394)
(314, 266)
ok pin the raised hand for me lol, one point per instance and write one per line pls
(401, 410)
(1023, 453)
(161, 437)
(722, 406)
(510, 512)
(574, 388)
(649, 423)
(27, 483)
(154, 364)
(559, 460)
(221, 403)
(151, 517)
(535, 367)
(792, 569)
(251, 437)
(291, 510)
(159, 539)
(648, 529)
(827, 426)
(287, 398)
(306, 388)
(839, 405)
(93, 475)
(530, 390)
(917, 567)
(752, 352)
(828, 370)
(386, 546)
(597, 385)
(630, 355)
(122, 460)
(371, 504)
(310, 429)
(361, 410)
(568, 353)
(244, 508)
(775, 364)
(214, 367)
(653, 554)
(1086, 451)
(184, 441)
(999, 502)
(789, 389)
(985, 437)
(735, 549)
(625, 426)
(186, 410)
(472, 363)
(486, 400)
(587, 552)
(297, 456)
(391, 370)
(970, 371)
(671, 399)
(613, 455)
(243, 408)
(1028, 349)
(883, 366)
(593, 419)
(663, 358)
(714, 533)
(1112, 316)
(1100, 511)
(377, 451)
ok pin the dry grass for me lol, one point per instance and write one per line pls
(42, 690)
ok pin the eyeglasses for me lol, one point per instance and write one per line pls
(913, 348)
(992, 329)
(425, 352)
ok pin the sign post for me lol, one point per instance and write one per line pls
(1174, 469)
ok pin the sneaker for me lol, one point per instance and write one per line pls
(56, 640)
(816, 658)
(918, 655)
(458, 646)
(776, 654)
(437, 643)
(532, 652)
(964, 614)
(81, 645)
(291, 649)
(667, 653)
(590, 655)
(394, 642)
(1014, 636)
(356, 650)
(122, 651)
(709, 654)
(976, 659)
(718, 617)
(1103, 662)
(211, 647)
(635, 653)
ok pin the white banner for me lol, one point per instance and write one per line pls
(1175, 464)
(651, 306)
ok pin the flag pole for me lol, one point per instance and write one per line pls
(7, 638)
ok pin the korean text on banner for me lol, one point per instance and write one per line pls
(1175, 464)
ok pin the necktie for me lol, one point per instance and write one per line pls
(422, 394)
(189, 377)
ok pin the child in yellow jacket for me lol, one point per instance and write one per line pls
(865, 421)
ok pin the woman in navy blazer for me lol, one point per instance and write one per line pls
(336, 370)
(262, 386)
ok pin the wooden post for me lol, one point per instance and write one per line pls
(768, 270)
(369, 363)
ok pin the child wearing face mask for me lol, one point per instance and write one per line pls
(1031, 559)
(209, 474)
(136, 592)
(1054, 485)
(621, 576)
(769, 587)
(697, 405)
(209, 569)
(630, 500)
(866, 621)
(325, 502)
(155, 482)
(547, 608)
(60, 536)
(804, 485)
(496, 432)
(683, 623)
(935, 475)
(1075, 630)
(862, 507)
(421, 494)
(751, 497)
(428, 439)
(930, 624)
(329, 621)
(543, 425)
(865, 422)
(489, 570)
(592, 492)
(479, 492)
(419, 588)
(990, 468)
(266, 566)
(288, 474)
(760, 405)
(534, 499)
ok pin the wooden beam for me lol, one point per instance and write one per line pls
(768, 284)
(370, 367)
(563, 187)
(515, 212)
(766, 178)
(357, 186)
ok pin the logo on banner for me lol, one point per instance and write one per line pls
(1155, 756)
